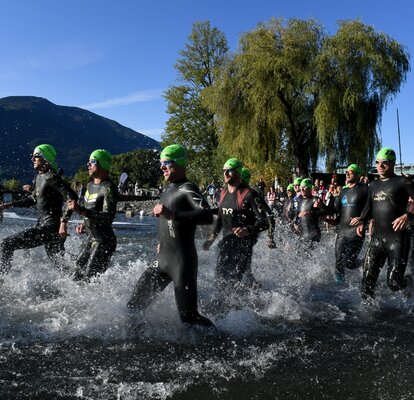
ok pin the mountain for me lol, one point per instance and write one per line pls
(28, 121)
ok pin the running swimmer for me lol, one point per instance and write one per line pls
(99, 211)
(309, 210)
(49, 194)
(386, 205)
(241, 216)
(181, 209)
(349, 204)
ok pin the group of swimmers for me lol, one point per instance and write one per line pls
(56, 202)
(381, 207)
(241, 215)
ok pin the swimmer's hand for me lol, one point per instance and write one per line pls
(160, 210)
(27, 188)
(63, 229)
(80, 229)
(359, 230)
(207, 244)
(73, 205)
(271, 244)
(355, 221)
(400, 223)
(5, 206)
(241, 232)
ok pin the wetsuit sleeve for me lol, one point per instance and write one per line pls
(261, 222)
(366, 214)
(409, 185)
(338, 203)
(27, 201)
(108, 212)
(200, 210)
(218, 226)
(60, 186)
(270, 217)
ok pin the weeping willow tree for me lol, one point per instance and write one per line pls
(292, 93)
(360, 71)
(191, 123)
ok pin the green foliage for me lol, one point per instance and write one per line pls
(190, 122)
(141, 165)
(266, 94)
(361, 71)
(81, 176)
(292, 94)
(12, 184)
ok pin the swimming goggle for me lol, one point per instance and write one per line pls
(229, 171)
(92, 162)
(37, 155)
(166, 163)
(385, 163)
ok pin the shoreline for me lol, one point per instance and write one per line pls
(131, 208)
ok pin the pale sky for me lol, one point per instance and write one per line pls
(116, 58)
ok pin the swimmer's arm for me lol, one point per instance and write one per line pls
(200, 213)
(366, 214)
(261, 222)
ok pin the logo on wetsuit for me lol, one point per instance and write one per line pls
(171, 228)
(227, 211)
(380, 196)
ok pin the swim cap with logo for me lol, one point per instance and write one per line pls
(291, 187)
(355, 168)
(176, 153)
(245, 175)
(234, 163)
(48, 152)
(306, 182)
(103, 157)
(386, 153)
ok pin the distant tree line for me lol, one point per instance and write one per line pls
(289, 96)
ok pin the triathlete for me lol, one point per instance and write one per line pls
(181, 209)
(386, 205)
(349, 204)
(99, 211)
(241, 216)
(309, 210)
(49, 194)
(288, 213)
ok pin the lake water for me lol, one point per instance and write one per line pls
(299, 337)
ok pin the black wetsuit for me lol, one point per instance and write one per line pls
(177, 258)
(99, 209)
(387, 200)
(49, 194)
(288, 213)
(309, 223)
(348, 204)
(235, 255)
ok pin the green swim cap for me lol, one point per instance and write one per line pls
(234, 163)
(297, 181)
(386, 153)
(103, 157)
(245, 175)
(48, 152)
(356, 168)
(176, 153)
(306, 182)
(291, 187)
